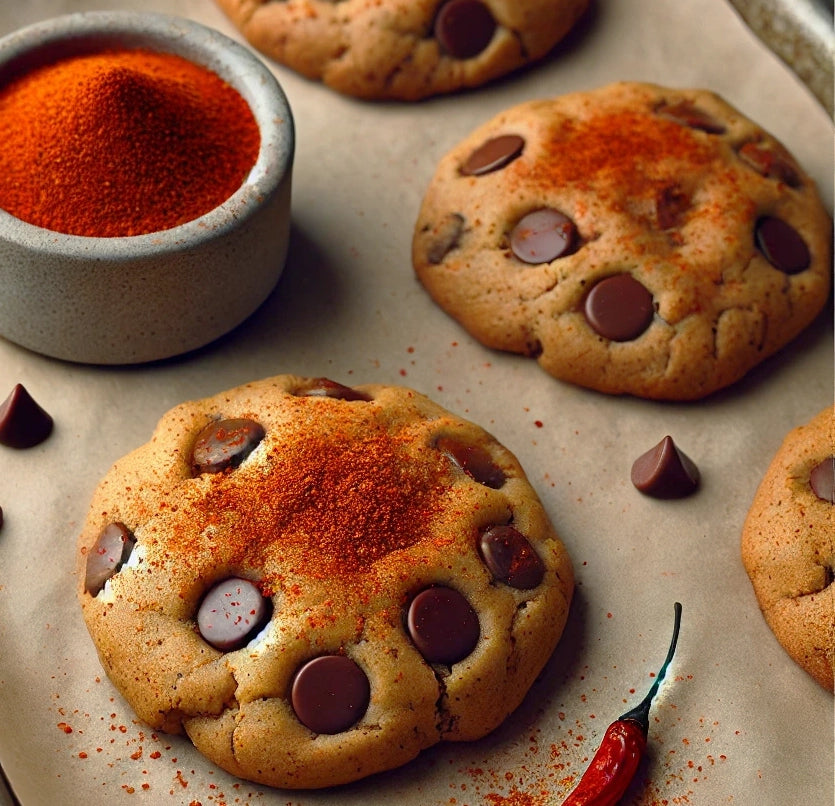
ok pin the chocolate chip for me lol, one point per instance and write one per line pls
(473, 460)
(510, 557)
(770, 162)
(330, 694)
(231, 613)
(464, 28)
(822, 480)
(493, 155)
(110, 552)
(782, 245)
(665, 472)
(224, 444)
(689, 115)
(445, 238)
(324, 387)
(670, 205)
(619, 308)
(23, 423)
(543, 236)
(443, 625)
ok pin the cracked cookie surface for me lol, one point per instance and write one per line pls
(788, 546)
(633, 239)
(404, 49)
(315, 582)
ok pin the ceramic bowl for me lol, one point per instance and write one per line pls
(126, 300)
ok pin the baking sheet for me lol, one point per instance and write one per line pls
(736, 722)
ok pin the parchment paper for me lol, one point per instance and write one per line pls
(736, 722)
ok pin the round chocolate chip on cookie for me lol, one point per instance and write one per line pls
(404, 49)
(634, 239)
(315, 582)
(788, 546)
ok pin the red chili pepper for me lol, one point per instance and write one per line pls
(616, 761)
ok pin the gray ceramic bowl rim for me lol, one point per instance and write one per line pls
(85, 32)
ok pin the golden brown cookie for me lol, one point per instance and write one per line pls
(634, 239)
(315, 582)
(788, 546)
(404, 49)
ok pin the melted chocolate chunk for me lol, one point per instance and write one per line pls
(111, 551)
(665, 472)
(443, 625)
(510, 557)
(543, 236)
(231, 613)
(23, 423)
(670, 206)
(464, 28)
(324, 387)
(473, 460)
(493, 155)
(770, 163)
(224, 444)
(689, 115)
(782, 245)
(447, 234)
(822, 480)
(330, 694)
(619, 308)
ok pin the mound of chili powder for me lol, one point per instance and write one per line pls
(122, 142)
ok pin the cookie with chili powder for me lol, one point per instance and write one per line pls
(404, 49)
(316, 582)
(633, 239)
(788, 546)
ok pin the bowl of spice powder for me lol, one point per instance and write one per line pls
(145, 182)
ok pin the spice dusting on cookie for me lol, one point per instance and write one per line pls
(127, 141)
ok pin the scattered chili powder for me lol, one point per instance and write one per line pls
(121, 142)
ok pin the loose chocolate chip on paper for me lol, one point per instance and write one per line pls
(782, 245)
(23, 423)
(543, 236)
(822, 480)
(330, 694)
(224, 444)
(619, 308)
(464, 28)
(665, 471)
(494, 154)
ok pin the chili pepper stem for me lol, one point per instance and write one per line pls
(640, 713)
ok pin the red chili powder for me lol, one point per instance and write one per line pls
(121, 143)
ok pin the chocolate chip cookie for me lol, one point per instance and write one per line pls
(633, 239)
(404, 49)
(315, 582)
(788, 546)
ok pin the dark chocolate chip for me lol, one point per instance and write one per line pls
(330, 694)
(224, 444)
(543, 236)
(493, 155)
(443, 625)
(782, 245)
(670, 206)
(445, 238)
(619, 308)
(464, 28)
(23, 423)
(770, 162)
(110, 552)
(510, 557)
(324, 387)
(822, 480)
(689, 115)
(231, 613)
(665, 472)
(473, 460)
